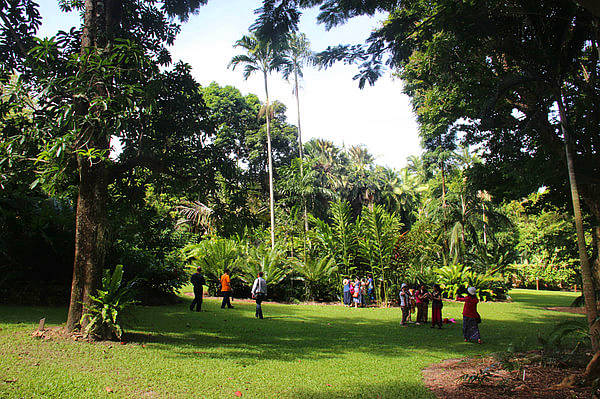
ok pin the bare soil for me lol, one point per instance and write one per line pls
(531, 381)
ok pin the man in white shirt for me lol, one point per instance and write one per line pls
(259, 292)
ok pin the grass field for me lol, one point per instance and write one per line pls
(297, 351)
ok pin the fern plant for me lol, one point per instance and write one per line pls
(102, 319)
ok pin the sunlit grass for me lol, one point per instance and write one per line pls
(298, 351)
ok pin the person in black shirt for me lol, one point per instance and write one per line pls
(198, 282)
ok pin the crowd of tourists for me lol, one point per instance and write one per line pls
(358, 292)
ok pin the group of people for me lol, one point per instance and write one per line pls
(358, 292)
(259, 291)
(418, 299)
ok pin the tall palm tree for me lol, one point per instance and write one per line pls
(298, 54)
(261, 57)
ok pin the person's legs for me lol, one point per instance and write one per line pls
(259, 299)
(225, 301)
(425, 311)
(405, 311)
(197, 300)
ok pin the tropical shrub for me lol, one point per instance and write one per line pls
(318, 276)
(456, 278)
(379, 233)
(263, 259)
(214, 256)
(103, 318)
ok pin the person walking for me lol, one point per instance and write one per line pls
(259, 293)
(226, 290)
(198, 281)
(471, 318)
(436, 306)
(404, 303)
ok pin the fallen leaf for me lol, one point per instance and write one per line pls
(123, 342)
(237, 393)
(108, 389)
(143, 345)
(328, 385)
(11, 381)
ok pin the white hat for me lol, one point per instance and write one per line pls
(404, 285)
(471, 290)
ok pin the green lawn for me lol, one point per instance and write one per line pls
(298, 351)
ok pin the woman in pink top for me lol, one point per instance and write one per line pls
(471, 318)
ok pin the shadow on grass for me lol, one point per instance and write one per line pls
(291, 333)
(234, 335)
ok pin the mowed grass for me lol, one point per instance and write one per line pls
(297, 351)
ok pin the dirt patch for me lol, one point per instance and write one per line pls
(567, 309)
(538, 381)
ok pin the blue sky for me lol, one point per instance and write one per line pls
(332, 106)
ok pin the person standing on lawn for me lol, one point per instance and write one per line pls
(259, 293)
(370, 287)
(404, 303)
(197, 280)
(422, 300)
(436, 306)
(347, 293)
(356, 296)
(226, 289)
(471, 318)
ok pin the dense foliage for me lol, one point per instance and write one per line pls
(205, 176)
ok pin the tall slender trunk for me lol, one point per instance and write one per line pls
(270, 156)
(301, 150)
(443, 184)
(589, 291)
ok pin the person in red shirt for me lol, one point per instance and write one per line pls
(226, 290)
(471, 318)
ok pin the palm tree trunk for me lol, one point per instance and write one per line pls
(589, 291)
(270, 157)
(301, 149)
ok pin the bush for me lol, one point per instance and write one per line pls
(104, 316)
(455, 279)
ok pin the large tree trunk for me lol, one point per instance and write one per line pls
(589, 291)
(89, 238)
(270, 156)
(99, 21)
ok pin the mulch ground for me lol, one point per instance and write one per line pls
(538, 381)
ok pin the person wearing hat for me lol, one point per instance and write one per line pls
(471, 318)
(347, 293)
(404, 302)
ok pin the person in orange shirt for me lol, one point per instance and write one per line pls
(226, 289)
